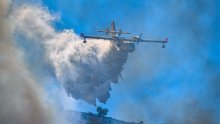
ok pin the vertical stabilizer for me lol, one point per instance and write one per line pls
(113, 26)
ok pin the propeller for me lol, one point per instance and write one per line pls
(139, 38)
(107, 31)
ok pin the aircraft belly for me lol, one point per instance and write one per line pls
(128, 47)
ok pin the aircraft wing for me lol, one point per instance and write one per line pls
(95, 37)
(141, 40)
(137, 40)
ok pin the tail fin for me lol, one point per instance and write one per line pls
(113, 26)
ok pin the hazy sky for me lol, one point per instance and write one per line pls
(178, 84)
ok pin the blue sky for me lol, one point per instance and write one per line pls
(160, 85)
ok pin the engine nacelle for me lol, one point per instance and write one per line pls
(107, 31)
(119, 32)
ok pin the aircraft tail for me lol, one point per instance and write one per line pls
(113, 31)
(113, 26)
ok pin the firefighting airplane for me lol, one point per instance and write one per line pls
(116, 37)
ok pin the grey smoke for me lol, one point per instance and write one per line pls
(21, 98)
(85, 70)
(191, 101)
(181, 85)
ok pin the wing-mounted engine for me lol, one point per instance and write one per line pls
(107, 31)
(119, 32)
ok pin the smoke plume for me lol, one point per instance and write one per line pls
(21, 99)
(178, 82)
(85, 70)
